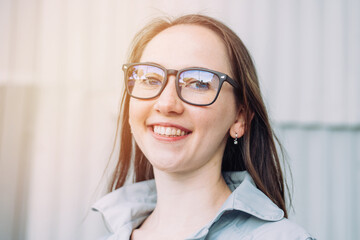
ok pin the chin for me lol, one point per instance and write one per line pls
(165, 165)
(168, 165)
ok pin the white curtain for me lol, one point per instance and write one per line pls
(60, 84)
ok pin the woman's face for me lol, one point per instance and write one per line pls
(206, 128)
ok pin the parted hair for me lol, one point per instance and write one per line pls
(256, 151)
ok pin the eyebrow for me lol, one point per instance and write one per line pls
(153, 63)
(176, 69)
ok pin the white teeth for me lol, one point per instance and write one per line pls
(168, 131)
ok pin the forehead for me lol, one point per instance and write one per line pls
(183, 46)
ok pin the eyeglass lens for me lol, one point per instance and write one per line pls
(195, 86)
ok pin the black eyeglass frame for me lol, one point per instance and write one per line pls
(222, 78)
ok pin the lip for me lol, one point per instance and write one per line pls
(165, 124)
(165, 138)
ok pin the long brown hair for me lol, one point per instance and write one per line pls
(256, 151)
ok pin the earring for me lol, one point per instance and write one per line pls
(235, 140)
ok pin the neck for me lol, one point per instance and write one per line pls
(188, 200)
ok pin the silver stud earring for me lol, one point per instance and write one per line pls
(235, 140)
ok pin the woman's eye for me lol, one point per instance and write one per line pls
(151, 81)
(198, 85)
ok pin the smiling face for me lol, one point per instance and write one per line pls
(173, 135)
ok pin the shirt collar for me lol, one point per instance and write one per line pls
(248, 198)
(127, 207)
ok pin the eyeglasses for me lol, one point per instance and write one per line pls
(194, 85)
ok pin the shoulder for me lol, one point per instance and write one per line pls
(239, 225)
(250, 215)
(284, 229)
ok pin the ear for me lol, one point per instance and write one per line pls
(238, 127)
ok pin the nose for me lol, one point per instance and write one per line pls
(169, 102)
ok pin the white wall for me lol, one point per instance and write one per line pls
(60, 81)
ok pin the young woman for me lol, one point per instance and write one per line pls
(196, 138)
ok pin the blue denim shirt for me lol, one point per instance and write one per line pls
(247, 214)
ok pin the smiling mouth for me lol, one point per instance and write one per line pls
(169, 131)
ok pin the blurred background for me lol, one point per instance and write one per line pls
(60, 84)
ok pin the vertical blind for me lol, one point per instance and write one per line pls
(60, 85)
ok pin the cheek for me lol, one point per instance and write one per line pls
(131, 111)
(215, 123)
(132, 115)
(137, 113)
(223, 115)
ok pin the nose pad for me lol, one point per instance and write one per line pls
(169, 101)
